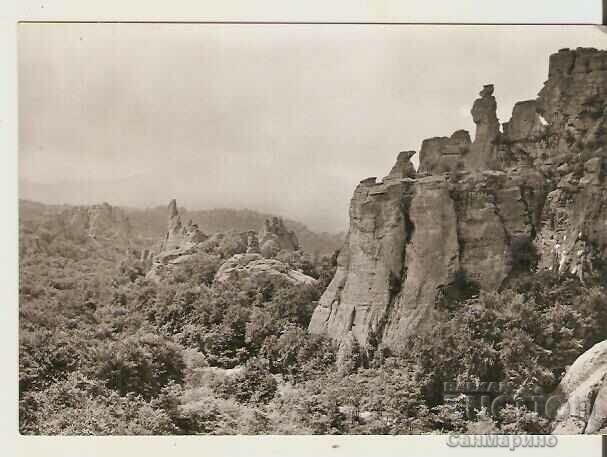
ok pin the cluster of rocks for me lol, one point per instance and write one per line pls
(531, 194)
(275, 237)
(253, 253)
(180, 236)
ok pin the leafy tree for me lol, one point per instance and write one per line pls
(79, 405)
(254, 384)
(141, 364)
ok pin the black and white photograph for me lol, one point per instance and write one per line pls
(312, 229)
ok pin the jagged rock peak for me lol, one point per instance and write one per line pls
(274, 237)
(174, 220)
(403, 168)
(173, 212)
(457, 152)
(252, 242)
(178, 235)
(487, 91)
(484, 115)
(178, 245)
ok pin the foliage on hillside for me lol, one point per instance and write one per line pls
(150, 224)
(105, 351)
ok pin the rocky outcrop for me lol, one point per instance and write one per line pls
(94, 227)
(444, 154)
(101, 222)
(403, 168)
(248, 254)
(275, 237)
(257, 269)
(482, 151)
(96, 223)
(478, 212)
(179, 235)
(179, 244)
(582, 394)
(252, 243)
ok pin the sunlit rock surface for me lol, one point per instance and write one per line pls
(528, 195)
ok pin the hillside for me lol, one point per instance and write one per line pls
(149, 224)
(469, 296)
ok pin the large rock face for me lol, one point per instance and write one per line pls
(583, 394)
(478, 211)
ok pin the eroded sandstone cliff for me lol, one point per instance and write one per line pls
(528, 195)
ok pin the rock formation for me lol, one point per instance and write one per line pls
(97, 222)
(482, 150)
(403, 168)
(480, 211)
(249, 254)
(90, 227)
(256, 268)
(582, 394)
(252, 243)
(179, 244)
(179, 235)
(442, 154)
(274, 237)
(258, 263)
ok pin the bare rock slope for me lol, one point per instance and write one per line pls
(529, 194)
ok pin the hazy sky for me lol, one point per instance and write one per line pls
(278, 118)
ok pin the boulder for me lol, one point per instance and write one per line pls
(582, 394)
(257, 269)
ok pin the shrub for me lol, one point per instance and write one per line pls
(141, 364)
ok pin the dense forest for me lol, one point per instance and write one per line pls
(106, 350)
